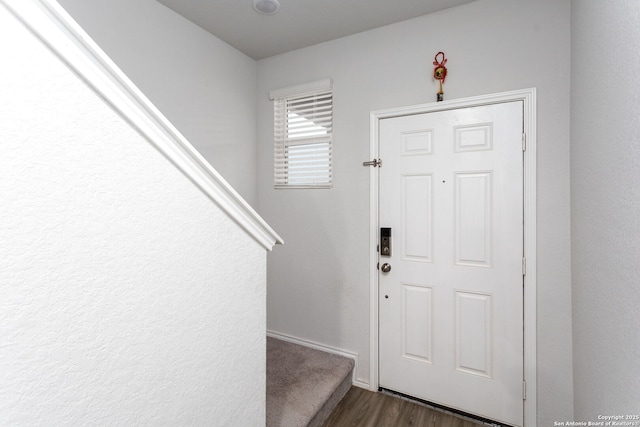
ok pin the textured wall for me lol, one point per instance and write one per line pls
(605, 201)
(203, 86)
(126, 296)
(319, 281)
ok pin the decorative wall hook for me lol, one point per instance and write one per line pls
(440, 73)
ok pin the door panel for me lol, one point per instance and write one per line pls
(473, 218)
(417, 322)
(474, 333)
(450, 314)
(417, 221)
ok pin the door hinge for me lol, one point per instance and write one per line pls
(524, 142)
(524, 390)
(375, 163)
(524, 266)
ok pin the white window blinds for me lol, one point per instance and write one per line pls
(303, 134)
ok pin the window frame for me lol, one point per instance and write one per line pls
(310, 136)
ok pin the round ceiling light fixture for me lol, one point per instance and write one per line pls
(266, 7)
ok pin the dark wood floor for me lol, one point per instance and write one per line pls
(363, 408)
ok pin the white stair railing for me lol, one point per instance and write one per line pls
(50, 23)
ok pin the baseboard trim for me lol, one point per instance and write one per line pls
(362, 384)
(326, 348)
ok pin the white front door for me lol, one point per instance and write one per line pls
(451, 306)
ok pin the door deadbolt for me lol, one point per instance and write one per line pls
(385, 241)
(386, 267)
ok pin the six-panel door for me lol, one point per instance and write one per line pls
(451, 307)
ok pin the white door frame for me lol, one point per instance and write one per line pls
(528, 96)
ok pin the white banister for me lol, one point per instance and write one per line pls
(50, 23)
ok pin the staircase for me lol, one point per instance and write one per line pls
(304, 385)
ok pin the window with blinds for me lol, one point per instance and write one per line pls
(303, 134)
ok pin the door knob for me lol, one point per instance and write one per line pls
(386, 267)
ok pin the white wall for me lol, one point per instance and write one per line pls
(202, 85)
(117, 304)
(605, 201)
(318, 283)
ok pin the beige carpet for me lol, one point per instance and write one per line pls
(303, 385)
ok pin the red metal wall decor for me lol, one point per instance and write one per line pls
(440, 73)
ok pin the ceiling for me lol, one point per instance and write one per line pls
(299, 23)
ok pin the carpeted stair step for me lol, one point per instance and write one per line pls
(304, 385)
